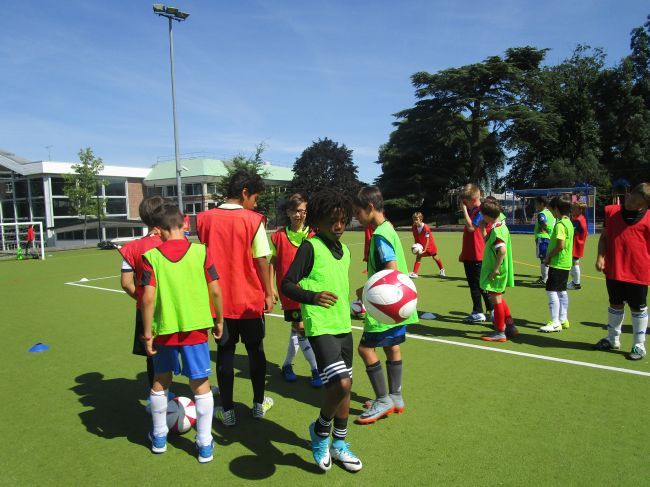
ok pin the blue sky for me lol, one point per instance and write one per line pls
(88, 73)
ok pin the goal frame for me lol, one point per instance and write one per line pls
(4, 241)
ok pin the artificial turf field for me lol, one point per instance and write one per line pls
(74, 414)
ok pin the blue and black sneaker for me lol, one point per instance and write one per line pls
(205, 452)
(158, 443)
(320, 449)
(288, 374)
(315, 379)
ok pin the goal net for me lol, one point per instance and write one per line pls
(18, 242)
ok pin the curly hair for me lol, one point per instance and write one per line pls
(326, 204)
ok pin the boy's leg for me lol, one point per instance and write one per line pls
(292, 348)
(257, 367)
(165, 362)
(394, 373)
(416, 265)
(564, 308)
(439, 263)
(575, 272)
(204, 401)
(473, 273)
(615, 316)
(637, 300)
(554, 286)
(499, 335)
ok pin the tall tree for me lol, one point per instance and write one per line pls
(325, 164)
(83, 187)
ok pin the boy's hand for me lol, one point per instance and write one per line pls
(359, 293)
(217, 330)
(269, 302)
(325, 299)
(148, 345)
(600, 263)
(493, 275)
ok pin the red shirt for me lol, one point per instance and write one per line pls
(174, 250)
(132, 254)
(579, 237)
(285, 251)
(420, 236)
(473, 242)
(30, 234)
(628, 247)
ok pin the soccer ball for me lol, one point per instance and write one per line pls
(417, 248)
(390, 296)
(181, 414)
(357, 310)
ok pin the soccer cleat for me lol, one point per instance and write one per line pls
(540, 281)
(260, 409)
(398, 403)
(320, 449)
(205, 452)
(551, 327)
(566, 324)
(340, 451)
(315, 380)
(604, 344)
(511, 331)
(413, 275)
(442, 273)
(475, 318)
(377, 410)
(497, 336)
(158, 443)
(226, 417)
(637, 352)
(288, 374)
(573, 285)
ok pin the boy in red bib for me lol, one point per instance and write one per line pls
(579, 240)
(422, 235)
(624, 257)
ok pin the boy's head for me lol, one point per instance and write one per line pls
(639, 198)
(560, 206)
(541, 202)
(148, 207)
(245, 185)
(367, 202)
(578, 208)
(470, 195)
(490, 209)
(329, 211)
(168, 219)
(418, 218)
(297, 209)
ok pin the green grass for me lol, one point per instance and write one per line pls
(74, 414)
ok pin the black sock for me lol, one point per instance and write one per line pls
(226, 375)
(377, 380)
(323, 425)
(257, 366)
(340, 428)
(394, 369)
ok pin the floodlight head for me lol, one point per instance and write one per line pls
(171, 10)
(158, 8)
(182, 15)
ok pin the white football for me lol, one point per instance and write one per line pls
(357, 310)
(181, 414)
(417, 248)
(390, 296)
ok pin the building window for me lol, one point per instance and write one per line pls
(57, 187)
(155, 191)
(36, 187)
(211, 188)
(116, 206)
(115, 187)
(61, 207)
(194, 189)
(192, 208)
(170, 191)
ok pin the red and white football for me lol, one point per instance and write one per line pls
(390, 296)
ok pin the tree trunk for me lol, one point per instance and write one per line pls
(85, 220)
(475, 151)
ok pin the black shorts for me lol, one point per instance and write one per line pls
(557, 279)
(621, 292)
(250, 330)
(333, 356)
(293, 315)
(138, 346)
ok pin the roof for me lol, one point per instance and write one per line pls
(207, 167)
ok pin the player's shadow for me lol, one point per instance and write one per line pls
(435, 331)
(528, 284)
(116, 412)
(603, 326)
(443, 279)
(525, 275)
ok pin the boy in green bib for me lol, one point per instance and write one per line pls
(497, 271)
(544, 224)
(180, 281)
(559, 259)
(386, 252)
(318, 279)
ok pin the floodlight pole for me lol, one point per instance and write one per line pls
(179, 187)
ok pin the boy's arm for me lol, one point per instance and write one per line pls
(602, 251)
(559, 247)
(468, 221)
(300, 268)
(272, 274)
(217, 301)
(127, 281)
(501, 254)
(148, 299)
(262, 266)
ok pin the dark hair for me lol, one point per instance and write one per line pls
(244, 178)
(168, 217)
(642, 190)
(560, 204)
(369, 195)
(294, 201)
(491, 207)
(541, 199)
(326, 204)
(148, 207)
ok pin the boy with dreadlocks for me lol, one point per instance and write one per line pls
(318, 279)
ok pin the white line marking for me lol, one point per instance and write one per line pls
(96, 279)
(451, 342)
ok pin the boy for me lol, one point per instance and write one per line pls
(579, 239)
(559, 259)
(180, 281)
(318, 279)
(497, 271)
(385, 253)
(472, 251)
(284, 245)
(624, 257)
(237, 243)
(132, 268)
(422, 235)
(543, 228)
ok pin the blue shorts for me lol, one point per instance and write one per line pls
(387, 338)
(195, 358)
(542, 247)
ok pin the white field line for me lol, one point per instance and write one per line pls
(449, 342)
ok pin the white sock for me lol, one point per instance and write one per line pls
(308, 352)
(158, 401)
(639, 326)
(292, 348)
(564, 306)
(575, 273)
(554, 306)
(615, 319)
(204, 409)
(543, 270)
